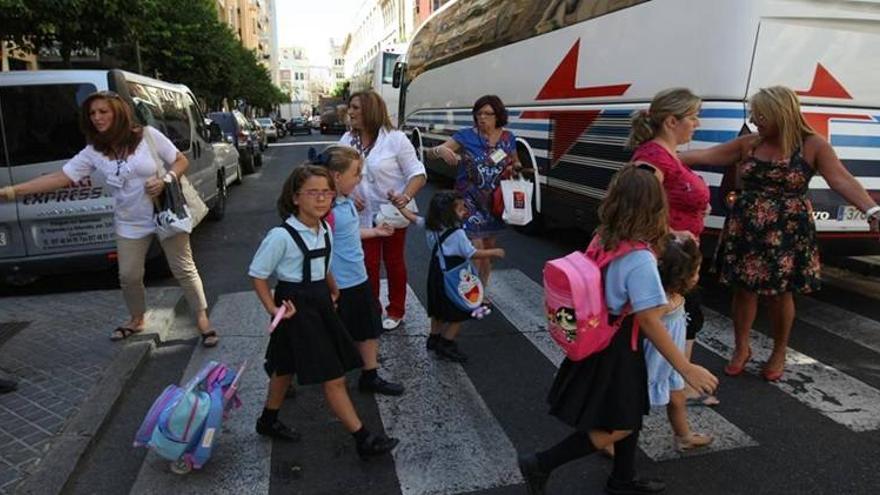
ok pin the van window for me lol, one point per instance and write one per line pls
(41, 122)
(197, 117)
(163, 109)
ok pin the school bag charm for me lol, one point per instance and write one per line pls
(183, 423)
(574, 300)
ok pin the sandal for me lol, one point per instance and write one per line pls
(209, 338)
(120, 333)
(692, 441)
(702, 401)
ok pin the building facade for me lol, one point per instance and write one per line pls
(251, 21)
(377, 23)
(424, 9)
(294, 76)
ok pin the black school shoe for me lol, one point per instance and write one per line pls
(635, 486)
(535, 477)
(448, 349)
(375, 444)
(433, 342)
(7, 386)
(278, 430)
(378, 385)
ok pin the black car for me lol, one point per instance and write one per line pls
(237, 130)
(298, 125)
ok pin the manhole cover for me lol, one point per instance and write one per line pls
(9, 329)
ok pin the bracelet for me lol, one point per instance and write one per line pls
(8, 192)
(872, 212)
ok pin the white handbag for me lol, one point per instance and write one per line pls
(517, 195)
(389, 214)
(180, 208)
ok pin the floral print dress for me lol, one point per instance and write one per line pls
(479, 175)
(768, 245)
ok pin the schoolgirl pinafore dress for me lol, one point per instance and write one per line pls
(313, 343)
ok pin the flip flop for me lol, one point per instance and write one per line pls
(209, 335)
(702, 401)
(120, 333)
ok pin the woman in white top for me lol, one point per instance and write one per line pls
(118, 149)
(392, 175)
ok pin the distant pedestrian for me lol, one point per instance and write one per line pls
(360, 316)
(118, 149)
(605, 395)
(393, 175)
(768, 245)
(484, 154)
(656, 133)
(679, 267)
(446, 238)
(311, 342)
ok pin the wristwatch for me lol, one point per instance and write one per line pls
(872, 213)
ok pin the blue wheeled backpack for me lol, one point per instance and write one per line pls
(183, 423)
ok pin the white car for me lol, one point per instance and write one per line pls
(269, 127)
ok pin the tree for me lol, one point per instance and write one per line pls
(68, 25)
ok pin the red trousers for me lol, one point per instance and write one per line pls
(389, 250)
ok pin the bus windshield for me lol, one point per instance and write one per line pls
(388, 61)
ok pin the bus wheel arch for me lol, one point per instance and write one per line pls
(527, 159)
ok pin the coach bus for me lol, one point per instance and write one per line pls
(376, 73)
(572, 72)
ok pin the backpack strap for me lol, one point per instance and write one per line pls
(439, 246)
(603, 259)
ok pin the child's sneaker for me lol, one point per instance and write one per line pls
(448, 349)
(692, 441)
(278, 430)
(433, 342)
(375, 444)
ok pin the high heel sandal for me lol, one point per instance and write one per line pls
(731, 370)
(773, 375)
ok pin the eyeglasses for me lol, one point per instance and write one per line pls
(484, 114)
(319, 194)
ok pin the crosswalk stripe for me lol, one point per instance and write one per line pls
(241, 460)
(841, 322)
(521, 300)
(834, 394)
(450, 442)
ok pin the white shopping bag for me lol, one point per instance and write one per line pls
(389, 214)
(517, 195)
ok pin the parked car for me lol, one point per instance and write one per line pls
(315, 121)
(237, 131)
(298, 125)
(268, 128)
(72, 229)
(225, 153)
(257, 128)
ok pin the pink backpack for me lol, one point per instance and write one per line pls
(574, 300)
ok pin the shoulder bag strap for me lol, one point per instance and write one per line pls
(439, 246)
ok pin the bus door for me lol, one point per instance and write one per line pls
(833, 67)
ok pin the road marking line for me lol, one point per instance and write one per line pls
(521, 300)
(450, 442)
(841, 322)
(831, 392)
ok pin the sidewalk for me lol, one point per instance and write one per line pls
(69, 376)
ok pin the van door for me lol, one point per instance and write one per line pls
(40, 125)
(834, 71)
(202, 162)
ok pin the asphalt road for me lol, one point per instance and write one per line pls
(799, 437)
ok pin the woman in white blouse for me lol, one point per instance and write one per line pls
(118, 149)
(392, 175)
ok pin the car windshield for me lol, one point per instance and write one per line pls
(265, 121)
(226, 121)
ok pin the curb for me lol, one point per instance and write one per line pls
(865, 265)
(54, 470)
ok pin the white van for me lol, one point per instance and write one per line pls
(72, 229)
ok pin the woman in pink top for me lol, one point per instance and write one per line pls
(656, 132)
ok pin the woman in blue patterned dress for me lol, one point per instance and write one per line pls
(484, 154)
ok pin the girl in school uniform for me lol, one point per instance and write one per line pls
(355, 305)
(311, 341)
(604, 396)
(447, 238)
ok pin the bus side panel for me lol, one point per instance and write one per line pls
(835, 75)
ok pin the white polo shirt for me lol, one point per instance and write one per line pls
(390, 165)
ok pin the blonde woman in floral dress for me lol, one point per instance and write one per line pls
(768, 246)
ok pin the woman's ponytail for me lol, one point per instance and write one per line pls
(642, 129)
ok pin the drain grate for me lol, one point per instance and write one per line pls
(10, 328)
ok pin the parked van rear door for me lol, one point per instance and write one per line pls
(40, 125)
